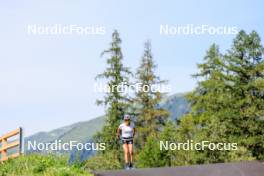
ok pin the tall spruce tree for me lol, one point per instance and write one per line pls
(227, 105)
(209, 100)
(115, 101)
(246, 74)
(150, 117)
(210, 84)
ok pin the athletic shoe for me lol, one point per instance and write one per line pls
(131, 166)
(127, 166)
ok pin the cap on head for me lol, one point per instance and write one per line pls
(126, 117)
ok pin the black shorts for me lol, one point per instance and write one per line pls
(127, 141)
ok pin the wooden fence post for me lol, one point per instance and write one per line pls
(4, 152)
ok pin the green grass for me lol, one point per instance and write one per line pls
(36, 165)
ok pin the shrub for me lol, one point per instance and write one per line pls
(106, 161)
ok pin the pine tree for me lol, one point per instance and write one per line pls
(227, 105)
(115, 101)
(211, 95)
(246, 74)
(150, 117)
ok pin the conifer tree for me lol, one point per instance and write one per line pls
(115, 101)
(206, 99)
(246, 76)
(227, 105)
(150, 117)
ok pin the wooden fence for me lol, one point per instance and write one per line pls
(6, 145)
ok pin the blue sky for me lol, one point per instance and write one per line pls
(47, 81)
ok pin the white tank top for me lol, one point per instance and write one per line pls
(126, 131)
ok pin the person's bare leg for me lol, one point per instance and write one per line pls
(130, 149)
(125, 147)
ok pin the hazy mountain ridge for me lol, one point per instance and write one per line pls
(81, 132)
(176, 104)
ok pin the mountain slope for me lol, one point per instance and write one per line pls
(176, 104)
(82, 132)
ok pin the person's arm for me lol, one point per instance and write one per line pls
(118, 133)
(134, 131)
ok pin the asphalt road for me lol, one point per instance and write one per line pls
(252, 168)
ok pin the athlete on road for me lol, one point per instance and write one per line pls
(127, 132)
